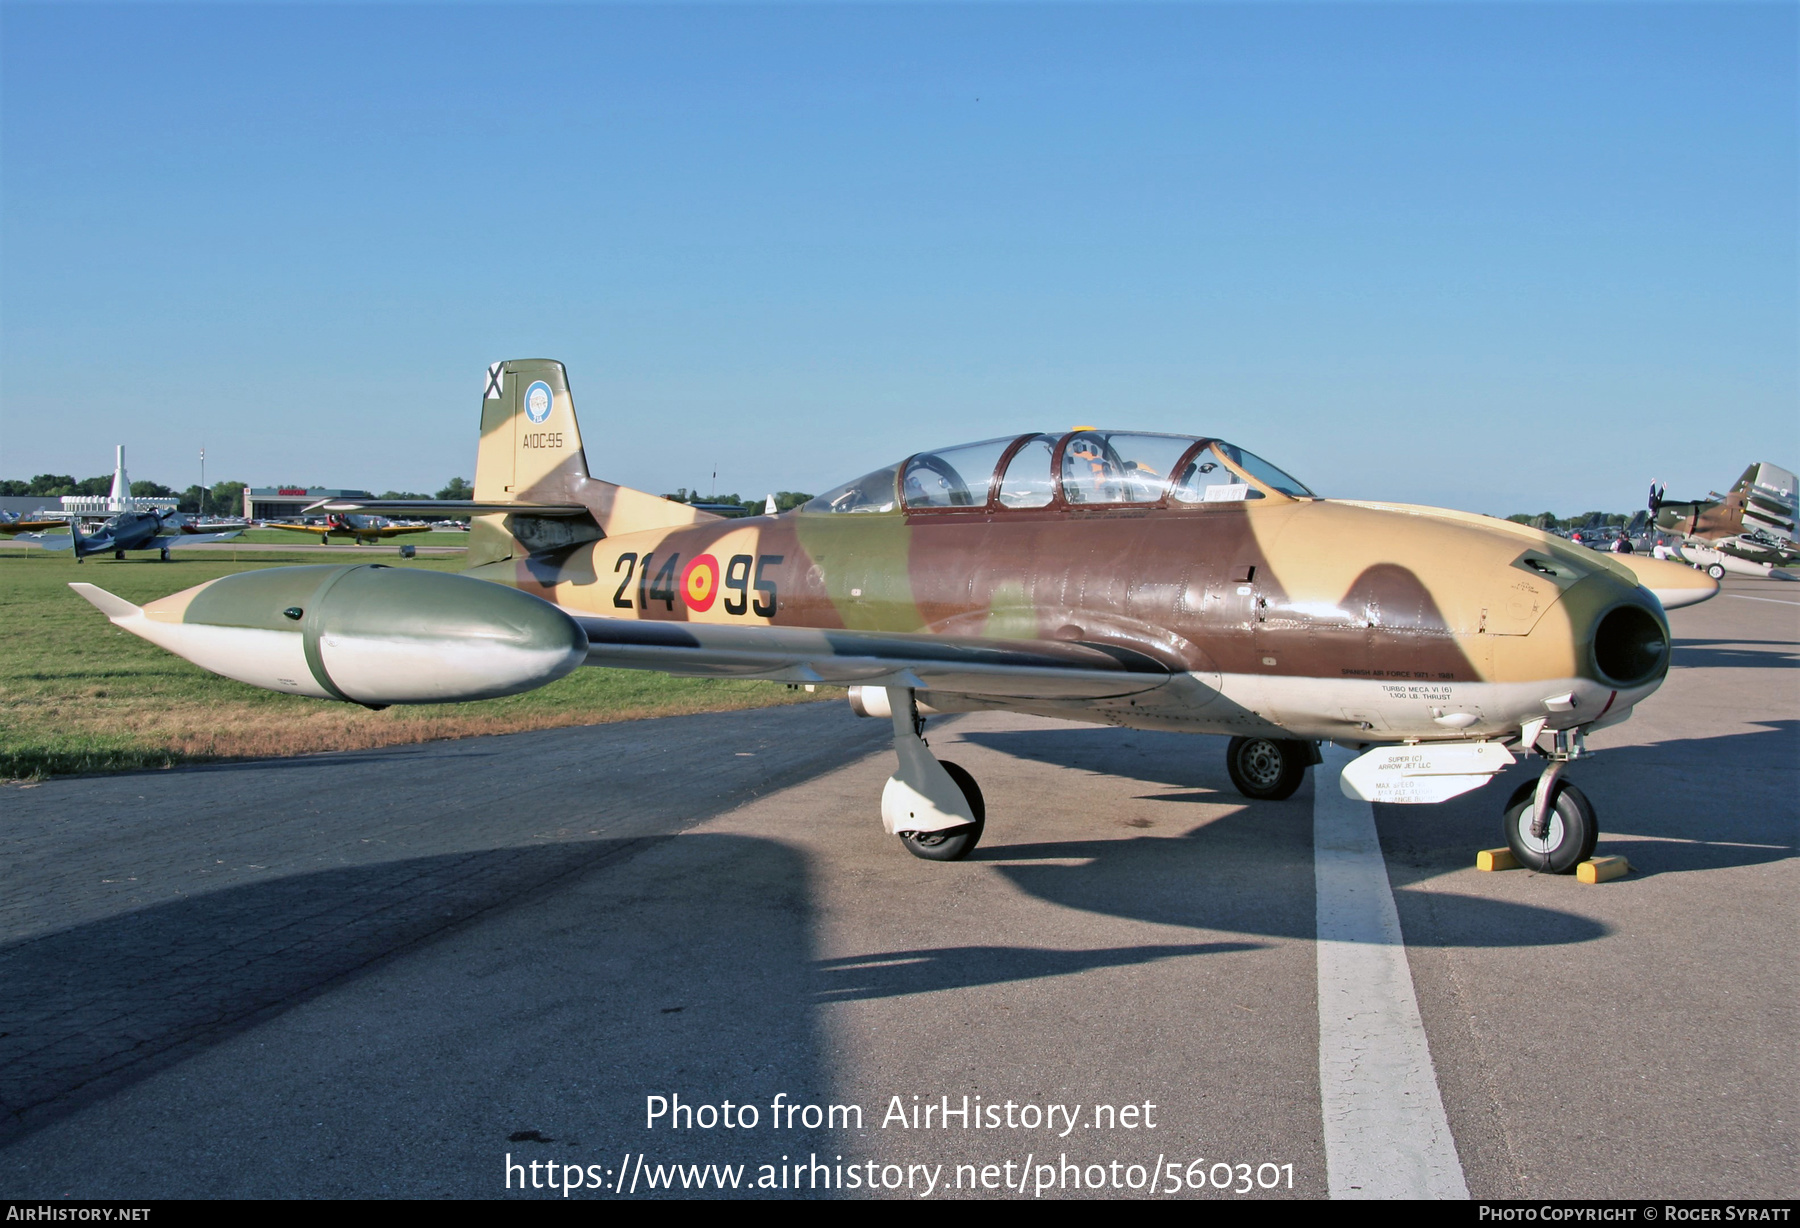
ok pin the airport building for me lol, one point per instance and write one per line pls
(287, 502)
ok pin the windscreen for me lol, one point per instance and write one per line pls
(1262, 471)
(873, 492)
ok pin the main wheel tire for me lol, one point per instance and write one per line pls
(1267, 769)
(1716, 571)
(952, 843)
(1571, 836)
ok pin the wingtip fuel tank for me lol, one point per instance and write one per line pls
(369, 634)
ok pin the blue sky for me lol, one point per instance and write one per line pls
(1507, 257)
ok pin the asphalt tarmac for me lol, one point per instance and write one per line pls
(386, 973)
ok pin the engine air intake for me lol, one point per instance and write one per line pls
(1630, 646)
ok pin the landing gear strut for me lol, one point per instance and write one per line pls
(1550, 824)
(935, 808)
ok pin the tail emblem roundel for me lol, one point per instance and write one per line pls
(700, 583)
(538, 401)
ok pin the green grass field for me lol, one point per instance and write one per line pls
(79, 695)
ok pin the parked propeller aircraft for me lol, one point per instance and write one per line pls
(1750, 530)
(150, 530)
(12, 522)
(1153, 581)
(364, 530)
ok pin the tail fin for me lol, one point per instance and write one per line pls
(531, 452)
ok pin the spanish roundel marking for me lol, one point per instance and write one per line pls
(700, 583)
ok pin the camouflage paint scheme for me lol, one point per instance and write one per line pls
(1755, 521)
(1310, 617)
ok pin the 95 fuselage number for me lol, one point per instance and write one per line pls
(742, 586)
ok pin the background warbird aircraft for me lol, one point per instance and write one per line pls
(1155, 581)
(364, 530)
(128, 531)
(1750, 530)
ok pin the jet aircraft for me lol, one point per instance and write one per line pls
(1749, 530)
(1155, 581)
(363, 530)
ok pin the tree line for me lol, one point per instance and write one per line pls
(785, 500)
(219, 499)
(1586, 520)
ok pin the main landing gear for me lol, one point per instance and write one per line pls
(935, 808)
(1550, 824)
(1269, 769)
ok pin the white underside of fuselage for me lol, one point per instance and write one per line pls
(1385, 710)
(1351, 710)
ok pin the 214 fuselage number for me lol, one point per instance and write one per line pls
(747, 587)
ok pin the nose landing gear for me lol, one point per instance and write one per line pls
(1550, 824)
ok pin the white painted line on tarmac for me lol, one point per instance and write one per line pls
(1386, 1135)
(1770, 600)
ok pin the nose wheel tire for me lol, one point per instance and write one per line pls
(952, 843)
(1566, 843)
(1267, 769)
(1716, 571)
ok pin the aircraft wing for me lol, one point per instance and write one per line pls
(170, 541)
(318, 530)
(444, 507)
(1017, 669)
(48, 541)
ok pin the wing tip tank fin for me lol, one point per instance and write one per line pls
(113, 607)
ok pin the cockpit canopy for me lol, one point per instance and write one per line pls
(1084, 467)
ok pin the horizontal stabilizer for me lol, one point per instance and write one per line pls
(109, 605)
(446, 507)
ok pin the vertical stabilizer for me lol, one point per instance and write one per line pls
(1771, 500)
(531, 452)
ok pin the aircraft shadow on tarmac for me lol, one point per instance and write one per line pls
(893, 974)
(1247, 872)
(1734, 654)
(650, 985)
(1684, 821)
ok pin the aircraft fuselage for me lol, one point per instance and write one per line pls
(1321, 618)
